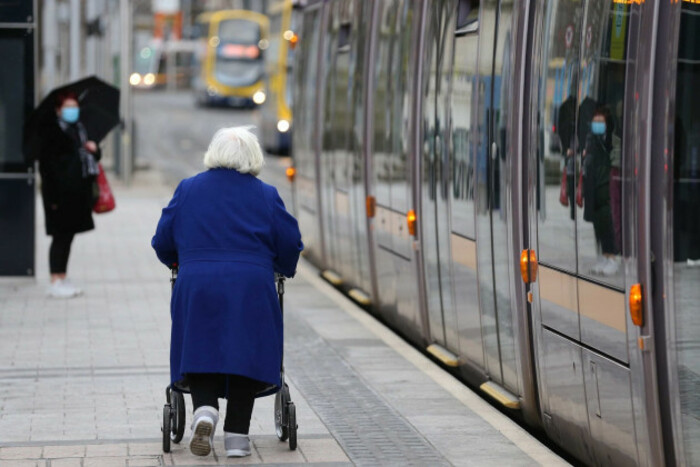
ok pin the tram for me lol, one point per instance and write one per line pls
(230, 58)
(515, 188)
(276, 112)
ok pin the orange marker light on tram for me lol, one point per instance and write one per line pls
(291, 172)
(411, 220)
(528, 266)
(636, 305)
(371, 206)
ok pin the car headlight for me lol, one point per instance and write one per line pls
(135, 79)
(259, 97)
(149, 79)
(283, 126)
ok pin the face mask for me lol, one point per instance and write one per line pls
(598, 128)
(70, 114)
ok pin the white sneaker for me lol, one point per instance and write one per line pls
(203, 427)
(598, 267)
(237, 445)
(78, 290)
(59, 289)
(610, 268)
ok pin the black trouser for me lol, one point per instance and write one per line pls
(206, 388)
(59, 252)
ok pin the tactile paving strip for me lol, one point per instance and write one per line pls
(369, 430)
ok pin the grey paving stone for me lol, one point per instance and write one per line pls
(84, 379)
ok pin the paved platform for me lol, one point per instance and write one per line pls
(83, 380)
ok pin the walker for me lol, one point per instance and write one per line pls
(285, 411)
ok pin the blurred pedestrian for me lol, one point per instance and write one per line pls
(228, 232)
(68, 167)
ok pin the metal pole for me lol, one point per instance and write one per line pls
(126, 103)
(75, 23)
(50, 45)
(91, 41)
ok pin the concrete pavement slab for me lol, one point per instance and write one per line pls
(84, 378)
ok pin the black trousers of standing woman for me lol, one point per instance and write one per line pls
(206, 388)
(59, 252)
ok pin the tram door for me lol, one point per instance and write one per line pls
(581, 230)
(439, 25)
(492, 197)
(342, 151)
(305, 136)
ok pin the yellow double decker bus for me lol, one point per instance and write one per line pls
(231, 57)
(276, 112)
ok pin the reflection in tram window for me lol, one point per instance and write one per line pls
(599, 131)
(557, 114)
(686, 227)
(596, 189)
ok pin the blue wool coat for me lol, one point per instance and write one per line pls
(228, 232)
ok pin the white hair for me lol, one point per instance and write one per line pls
(235, 148)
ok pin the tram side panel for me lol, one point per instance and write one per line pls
(352, 226)
(307, 81)
(462, 195)
(387, 140)
(390, 163)
(433, 210)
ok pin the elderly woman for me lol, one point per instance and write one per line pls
(228, 232)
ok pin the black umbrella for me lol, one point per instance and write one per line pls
(99, 109)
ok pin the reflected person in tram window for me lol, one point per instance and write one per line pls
(596, 166)
(68, 167)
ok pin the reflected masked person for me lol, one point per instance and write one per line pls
(68, 168)
(229, 233)
(596, 190)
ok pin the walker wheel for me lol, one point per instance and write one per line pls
(178, 417)
(281, 400)
(166, 427)
(292, 425)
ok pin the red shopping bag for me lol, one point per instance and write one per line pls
(563, 191)
(105, 201)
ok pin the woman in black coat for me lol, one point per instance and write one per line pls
(596, 190)
(68, 167)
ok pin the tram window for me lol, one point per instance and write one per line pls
(686, 227)
(599, 136)
(467, 17)
(555, 192)
(391, 96)
(463, 149)
(239, 31)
